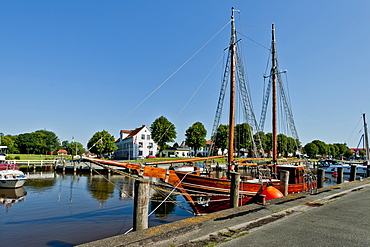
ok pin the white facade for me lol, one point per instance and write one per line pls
(135, 144)
(176, 152)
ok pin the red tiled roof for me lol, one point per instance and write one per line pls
(62, 151)
(132, 133)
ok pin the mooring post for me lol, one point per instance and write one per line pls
(320, 178)
(340, 175)
(141, 204)
(352, 175)
(284, 182)
(234, 189)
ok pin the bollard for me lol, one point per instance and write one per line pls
(141, 204)
(340, 175)
(352, 175)
(284, 182)
(234, 189)
(320, 178)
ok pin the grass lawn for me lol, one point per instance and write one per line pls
(34, 157)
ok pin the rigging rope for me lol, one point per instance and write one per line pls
(168, 78)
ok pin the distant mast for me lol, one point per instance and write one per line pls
(232, 94)
(274, 96)
(366, 138)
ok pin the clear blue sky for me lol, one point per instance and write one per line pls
(78, 67)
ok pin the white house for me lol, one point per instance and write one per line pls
(135, 144)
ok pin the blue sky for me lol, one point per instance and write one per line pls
(78, 67)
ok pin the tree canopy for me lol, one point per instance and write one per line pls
(196, 136)
(101, 143)
(163, 131)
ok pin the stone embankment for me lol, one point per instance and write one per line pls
(237, 223)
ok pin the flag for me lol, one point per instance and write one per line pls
(73, 139)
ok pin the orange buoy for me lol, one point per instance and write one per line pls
(271, 192)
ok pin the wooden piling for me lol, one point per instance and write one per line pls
(234, 189)
(352, 175)
(284, 182)
(340, 175)
(141, 204)
(320, 178)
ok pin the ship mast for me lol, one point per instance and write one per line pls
(366, 138)
(274, 95)
(232, 93)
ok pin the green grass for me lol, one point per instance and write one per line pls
(34, 157)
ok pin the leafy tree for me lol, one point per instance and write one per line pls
(342, 149)
(26, 143)
(221, 137)
(195, 136)
(10, 142)
(101, 143)
(242, 137)
(323, 147)
(74, 148)
(163, 131)
(49, 141)
(311, 149)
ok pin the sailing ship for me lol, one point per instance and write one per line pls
(208, 194)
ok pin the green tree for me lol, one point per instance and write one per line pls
(26, 143)
(101, 143)
(195, 136)
(163, 131)
(242, 137)
(75, 148)
(323, 147)
(221, 137)
(49, 141)
(10, 142)
(311, 149)
(282, 144)
(342, 149)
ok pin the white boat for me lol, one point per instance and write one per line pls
(331, 166)
(10, 175)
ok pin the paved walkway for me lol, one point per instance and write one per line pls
(337, 222)
(335, 216)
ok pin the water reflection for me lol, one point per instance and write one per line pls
(8, 197)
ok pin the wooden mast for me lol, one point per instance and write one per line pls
(232, 94)
(366, 138)
(274, 95)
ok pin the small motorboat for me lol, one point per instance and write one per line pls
(10, 175)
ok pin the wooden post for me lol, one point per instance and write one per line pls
(320, 178)
(352, 175)
(340, 175)
(234, 189)
(141, 204)
(284, 182)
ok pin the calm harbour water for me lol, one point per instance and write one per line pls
(65, 210)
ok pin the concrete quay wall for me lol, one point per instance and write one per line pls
(233, 223)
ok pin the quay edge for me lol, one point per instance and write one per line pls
(200, 228)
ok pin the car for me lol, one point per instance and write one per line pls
(150, 157)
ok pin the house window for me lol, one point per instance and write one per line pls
(142, 137)
(140, 144)
(140, 153)
(150, 145)
(148, 137)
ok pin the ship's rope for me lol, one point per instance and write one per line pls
(167, 79)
